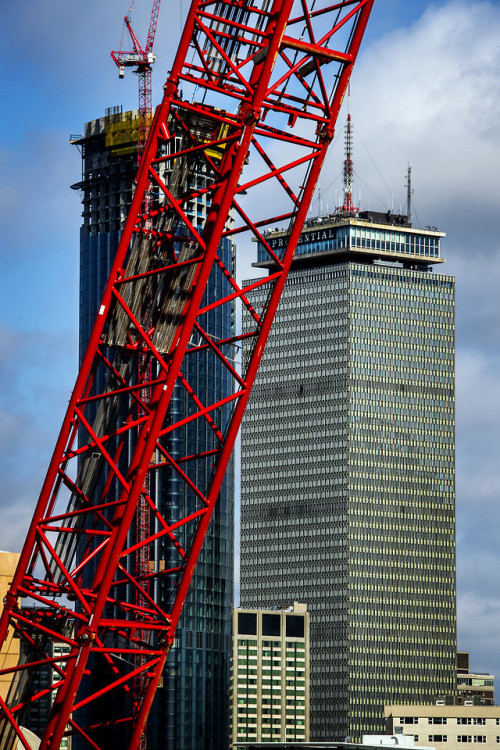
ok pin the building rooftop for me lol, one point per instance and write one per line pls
(392, 741)
(367, 236)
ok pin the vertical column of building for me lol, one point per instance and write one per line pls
(294, 520)
(401, 475)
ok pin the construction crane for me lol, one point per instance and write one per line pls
(247, 135)
(142, 60)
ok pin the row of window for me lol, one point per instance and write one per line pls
(481, 739)
(468, 720)
(344, 237)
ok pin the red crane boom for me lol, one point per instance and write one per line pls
(275, 72)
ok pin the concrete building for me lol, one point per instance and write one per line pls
(9, 653)
(190, 708)
(446, 727)
(269, 693)
(348, 497)
(473, 688)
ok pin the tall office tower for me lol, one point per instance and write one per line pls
(190, 708)
(269, 692)
(348, 466)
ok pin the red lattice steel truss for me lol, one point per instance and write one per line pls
(275, 73)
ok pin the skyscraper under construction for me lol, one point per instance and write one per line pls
(190, 708)
(348, 465)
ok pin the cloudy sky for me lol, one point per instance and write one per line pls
(426, 91)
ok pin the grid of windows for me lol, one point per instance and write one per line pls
(322, 237)
(454, 723)
(350, 431)
(269, 675)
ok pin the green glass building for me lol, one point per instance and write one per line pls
(348, 497)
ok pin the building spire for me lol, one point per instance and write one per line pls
(348, 209)
(409, 193)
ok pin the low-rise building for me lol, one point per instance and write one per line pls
(269, 690)
(446, 727)
(473, 688)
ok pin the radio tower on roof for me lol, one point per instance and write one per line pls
(348, 209)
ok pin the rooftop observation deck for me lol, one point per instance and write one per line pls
(367, 236)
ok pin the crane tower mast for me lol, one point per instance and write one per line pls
(271, 76)
(142, 60)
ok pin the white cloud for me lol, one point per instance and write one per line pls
(430, 95)
(478, 390)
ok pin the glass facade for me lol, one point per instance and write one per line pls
(338, 234)
(190, 708)
(350, 431)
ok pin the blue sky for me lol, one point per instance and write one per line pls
(426, 90)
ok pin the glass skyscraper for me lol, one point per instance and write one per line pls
(348, 497)
(190, 711)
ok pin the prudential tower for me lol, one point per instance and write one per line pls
(348, 493)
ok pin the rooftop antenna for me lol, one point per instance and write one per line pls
(409, 193)
(348, 209)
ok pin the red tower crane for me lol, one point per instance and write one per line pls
(271, 75)
(142, 60)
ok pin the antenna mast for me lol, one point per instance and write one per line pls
(348, 209)
(409, 193)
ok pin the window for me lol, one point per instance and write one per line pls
(437, 720)
(438, 738)
(480, 722)
(464, 720)
(271, 624)
(294, 626)
(464, 738)
(247, 623)
(409, 720)
(479, 738)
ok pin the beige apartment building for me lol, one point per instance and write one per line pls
(269, 692)
(446, 727)
(9, 653)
